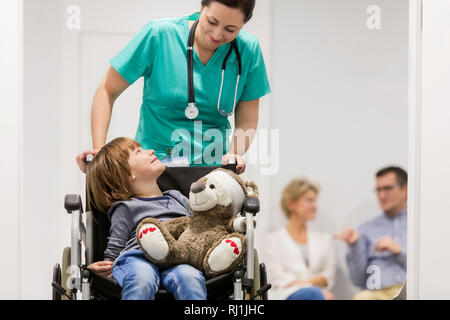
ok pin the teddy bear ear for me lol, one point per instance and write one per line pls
(252, 189)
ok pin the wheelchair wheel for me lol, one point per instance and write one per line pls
(57, 279)
(65, 268)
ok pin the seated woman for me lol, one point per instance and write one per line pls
(300, 262)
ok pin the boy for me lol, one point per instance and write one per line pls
(122, 181)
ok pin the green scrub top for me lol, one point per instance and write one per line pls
(159, 54)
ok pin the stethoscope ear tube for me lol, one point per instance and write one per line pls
(238, 55)
(190, 65)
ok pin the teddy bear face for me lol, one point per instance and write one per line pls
(218, 188)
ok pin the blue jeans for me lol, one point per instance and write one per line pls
(310, 293)
(140, 279)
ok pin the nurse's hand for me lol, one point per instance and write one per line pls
(81, 158)
(239, 160)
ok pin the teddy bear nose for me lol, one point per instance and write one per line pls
(197, 187)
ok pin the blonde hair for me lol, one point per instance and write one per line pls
(295, 189)
(107, 175)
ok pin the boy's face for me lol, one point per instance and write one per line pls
(145, 165)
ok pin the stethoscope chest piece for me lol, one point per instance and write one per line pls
(191, 112)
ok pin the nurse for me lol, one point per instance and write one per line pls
(190, 91)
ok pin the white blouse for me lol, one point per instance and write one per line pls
(285, 261)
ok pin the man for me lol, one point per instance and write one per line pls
(377, 250)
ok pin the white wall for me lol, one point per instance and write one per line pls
(42, 206)
(11, 168)
(431, 255)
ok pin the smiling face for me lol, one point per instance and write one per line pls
(218, 24)
(145, 165)
(305, 206)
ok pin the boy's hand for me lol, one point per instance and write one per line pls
(103, 268)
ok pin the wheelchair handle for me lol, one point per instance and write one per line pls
(72, 202)
(231, 160)
(89, 158)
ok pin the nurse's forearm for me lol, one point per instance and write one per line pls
(242, 138)
(100, 117)
(111, 87)
(246, 123)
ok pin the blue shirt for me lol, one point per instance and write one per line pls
(370, 269)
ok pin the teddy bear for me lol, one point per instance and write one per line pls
(212, 239)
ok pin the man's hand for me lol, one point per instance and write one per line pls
(389, 244)
(103, 268)
(349, 236)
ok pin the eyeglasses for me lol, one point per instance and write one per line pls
(385, 189)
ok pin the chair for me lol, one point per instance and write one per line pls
(401, 295)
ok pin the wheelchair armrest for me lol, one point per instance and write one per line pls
(72, 202)
(251, 205)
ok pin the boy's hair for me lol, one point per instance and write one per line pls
(295, 189)
(108, 174)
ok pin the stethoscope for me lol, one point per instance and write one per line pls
(192, 111)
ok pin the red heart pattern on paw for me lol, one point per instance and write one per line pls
(233, 245)
(152, 241)
(145, 231)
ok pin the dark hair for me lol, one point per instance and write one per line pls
(246, 6)
(402, 176)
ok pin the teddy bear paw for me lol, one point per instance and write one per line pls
(225, 254)
(153, 242)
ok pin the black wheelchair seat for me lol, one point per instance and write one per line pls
(174, 178)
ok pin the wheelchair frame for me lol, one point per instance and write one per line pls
(80, 277)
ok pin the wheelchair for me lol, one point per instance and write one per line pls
(72, 278)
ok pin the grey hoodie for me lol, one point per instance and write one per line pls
(125, 216)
